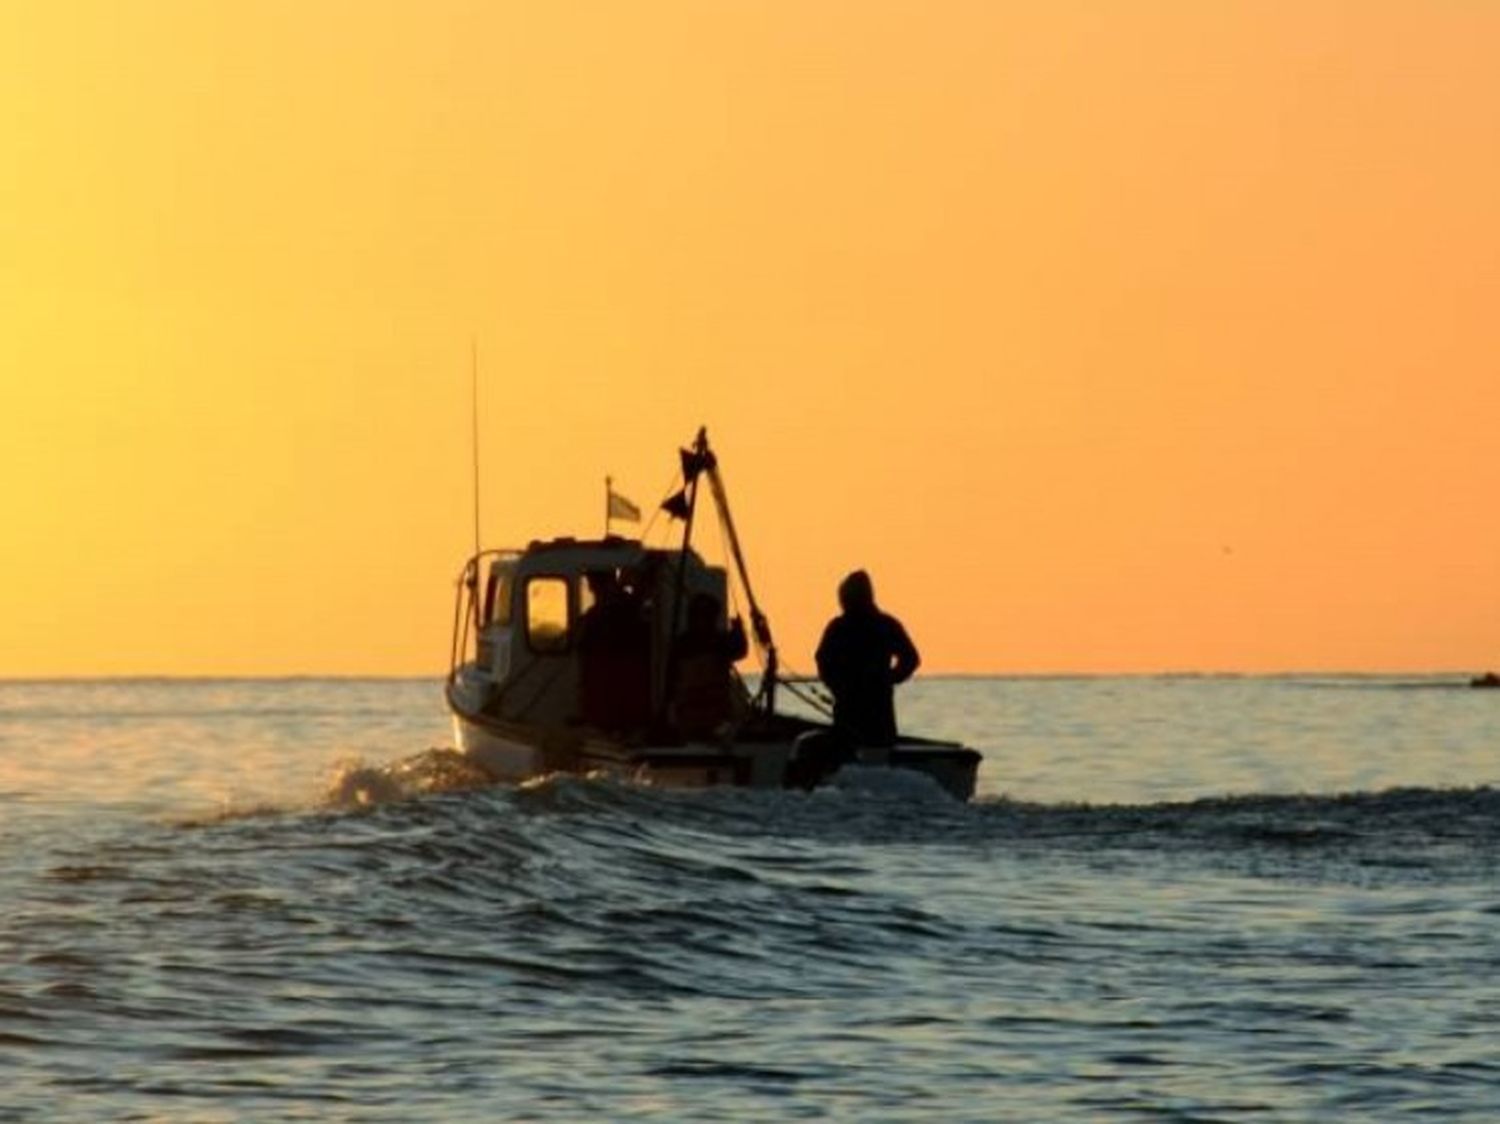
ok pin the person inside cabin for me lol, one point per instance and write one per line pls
(703, 669)
(863, 656)
(614, 649)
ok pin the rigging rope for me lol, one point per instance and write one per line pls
(656, 512)
(811, 696)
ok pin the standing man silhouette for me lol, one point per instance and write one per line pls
(863, 655)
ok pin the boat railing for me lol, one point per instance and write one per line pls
(469, 606)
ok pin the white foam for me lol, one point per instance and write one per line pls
(888, 783)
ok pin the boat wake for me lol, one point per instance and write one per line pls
(1358, 834)
(353, 783)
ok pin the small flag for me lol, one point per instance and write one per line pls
(619, 507)
(677, 506)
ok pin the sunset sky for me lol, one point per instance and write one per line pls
(1107, 336)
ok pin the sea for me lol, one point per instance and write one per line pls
(1174, 898)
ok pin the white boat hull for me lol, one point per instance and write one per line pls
(507, 759)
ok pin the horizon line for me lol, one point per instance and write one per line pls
(354, 677)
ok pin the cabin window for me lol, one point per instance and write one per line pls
(547, 614)
(497, 597)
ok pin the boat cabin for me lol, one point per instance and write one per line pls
(581, 632)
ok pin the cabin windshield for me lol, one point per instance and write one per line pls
(610, 584)
(547, 622)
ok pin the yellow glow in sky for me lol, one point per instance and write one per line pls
(1108, 337)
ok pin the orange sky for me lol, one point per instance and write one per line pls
(1107, 336)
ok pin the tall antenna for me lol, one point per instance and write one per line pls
(474, 417)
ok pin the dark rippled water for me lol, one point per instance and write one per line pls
(1190, 899)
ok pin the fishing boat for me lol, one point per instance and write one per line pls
(586, 655)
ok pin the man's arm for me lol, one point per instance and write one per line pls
(905, 652)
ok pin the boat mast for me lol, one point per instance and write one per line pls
(693, 462)
(684, 505)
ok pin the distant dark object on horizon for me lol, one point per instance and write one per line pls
(1488, 679)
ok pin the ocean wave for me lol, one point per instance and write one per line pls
(583, 917)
